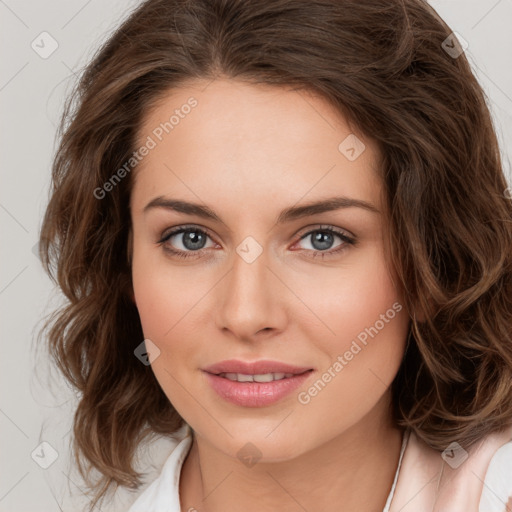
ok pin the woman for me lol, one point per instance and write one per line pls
(284, 232)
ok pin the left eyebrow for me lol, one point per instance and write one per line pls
(326, 205)
(287, 215)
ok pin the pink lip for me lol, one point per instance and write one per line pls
(255, 394)
(256, 367)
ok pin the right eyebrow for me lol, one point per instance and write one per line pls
(182, 207)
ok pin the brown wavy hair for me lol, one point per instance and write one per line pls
(385, 66)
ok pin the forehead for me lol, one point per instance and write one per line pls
(230, 139)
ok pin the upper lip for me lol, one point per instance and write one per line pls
(254, 368)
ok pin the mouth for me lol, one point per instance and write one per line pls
(256, 384)
(259, 377)
(256, 368)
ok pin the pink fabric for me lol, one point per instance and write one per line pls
(427, 483)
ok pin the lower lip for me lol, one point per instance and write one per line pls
(255, 394)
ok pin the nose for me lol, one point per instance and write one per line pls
(251, 300)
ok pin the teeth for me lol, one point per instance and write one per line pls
(266, 377)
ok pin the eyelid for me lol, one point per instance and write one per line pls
(325, 227)
(346, 237)
(183, 227)
(305, 231)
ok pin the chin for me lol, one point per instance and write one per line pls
(266, 440)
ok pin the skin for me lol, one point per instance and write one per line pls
(248, 152)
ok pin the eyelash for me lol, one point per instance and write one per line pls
(322, 229)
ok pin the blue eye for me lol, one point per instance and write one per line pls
(323, 239)
(193, 240)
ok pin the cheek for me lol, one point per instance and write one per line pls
(155, 303)
(172, 303)
(165, 302)
(368, 327)
(164, 295)
(349, 301)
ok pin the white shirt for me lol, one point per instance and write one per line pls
(162, 495)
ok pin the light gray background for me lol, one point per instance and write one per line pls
(35, 404)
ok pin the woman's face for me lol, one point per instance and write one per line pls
(264, 277)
